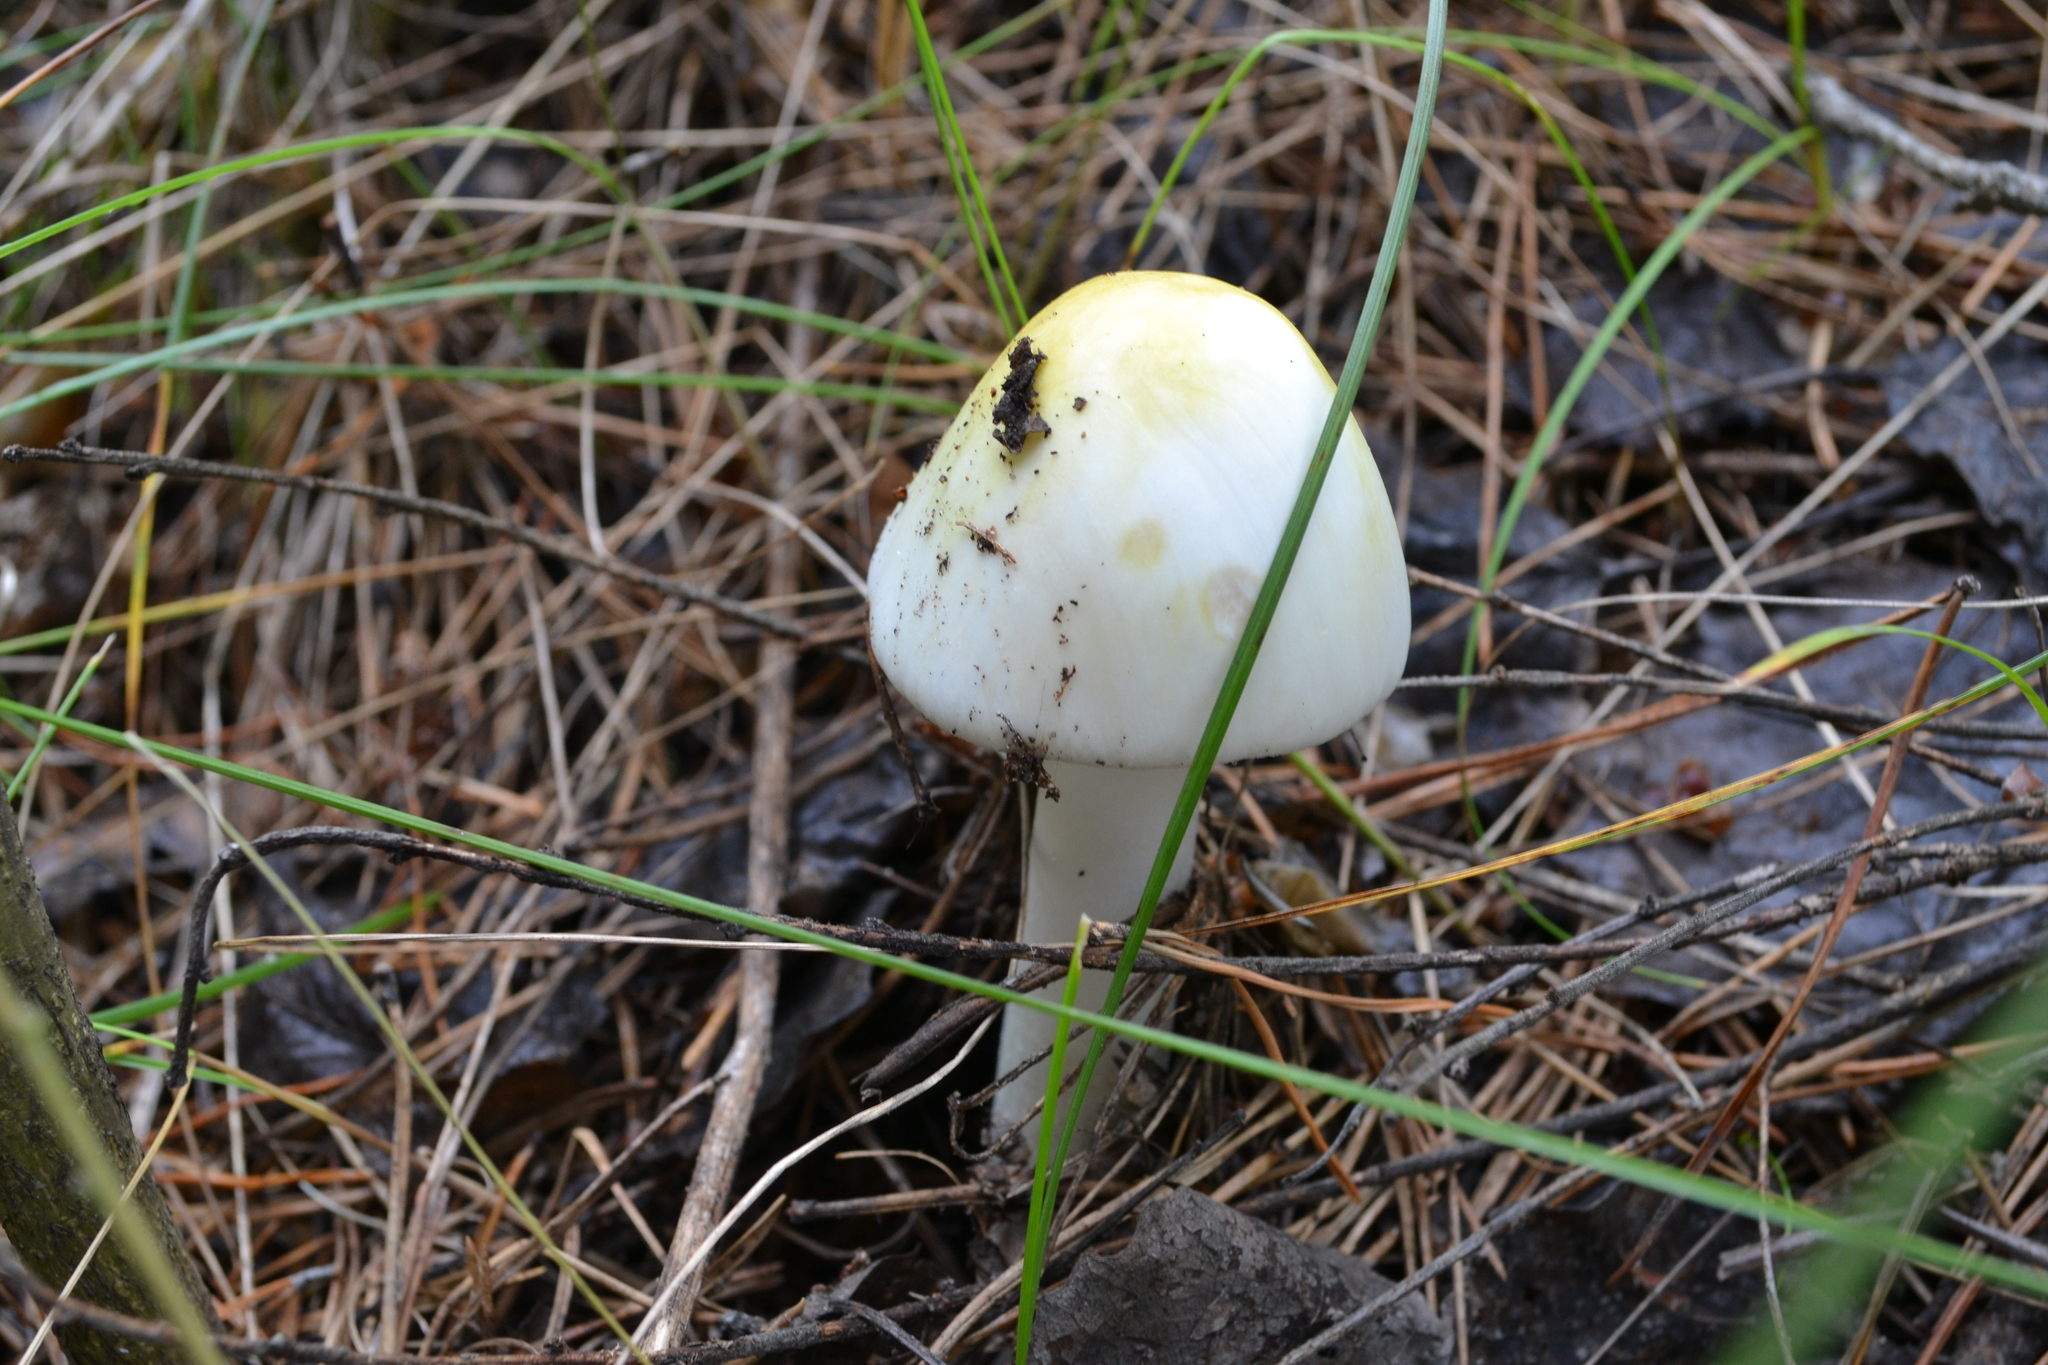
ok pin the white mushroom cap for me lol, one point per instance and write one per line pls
(1079, 597)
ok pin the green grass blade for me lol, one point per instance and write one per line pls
(518, 374)
(1707, 1190)
(195, 224)
(569, 241)
(1589, 361)
(981, 227)
(135, 1011)
(1621, 62)
(1713, 1192)
(395, 1039)
(25, 1032)
(1268, 601)
(308, 151)
(1815, 643)
(1402, 40)
(1038, 1222)
(169, 355)
(1966, 1108)
(134, 1061)
(47, 732)
(1596, 350)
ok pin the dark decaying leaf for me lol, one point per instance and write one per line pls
(1963, 426)
(1443, 537)
(1782, 825)
(1716, 336)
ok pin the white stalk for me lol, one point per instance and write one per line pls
(1091, 851)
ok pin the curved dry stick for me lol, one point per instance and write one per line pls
(1895, 762)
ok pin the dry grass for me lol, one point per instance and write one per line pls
(441, 669)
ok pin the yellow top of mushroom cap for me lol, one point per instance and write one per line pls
(1070, 572)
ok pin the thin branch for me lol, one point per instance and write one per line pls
(138, 466)
(1955, 864)
(1925, 994)
(1983, 184)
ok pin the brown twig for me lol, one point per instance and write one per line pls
(1738, 1103)
(75, 51)
(668, 1323)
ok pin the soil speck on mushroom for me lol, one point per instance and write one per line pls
(1024, 760)
(1016, 412)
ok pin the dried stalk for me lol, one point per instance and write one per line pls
(767, 872)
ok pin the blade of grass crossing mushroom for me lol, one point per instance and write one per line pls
(1712, 1192)
(1038, 1222)
(1051, 1162)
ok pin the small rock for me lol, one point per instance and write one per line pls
(1202, 1284)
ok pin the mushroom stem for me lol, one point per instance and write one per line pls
(1091, 852)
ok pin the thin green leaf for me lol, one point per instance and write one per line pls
(1823, 640)
(175, 355)
(47, 732)
(810, 137)
(981, 227)
(401, 1048)
(149, 1007)
(224, 117)
(1268, 600)
(1967, 1108)
(1596, 351)
(1038, 1222)
(308, 151)
(1713, 1192)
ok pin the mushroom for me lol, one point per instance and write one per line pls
(1069, 574)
